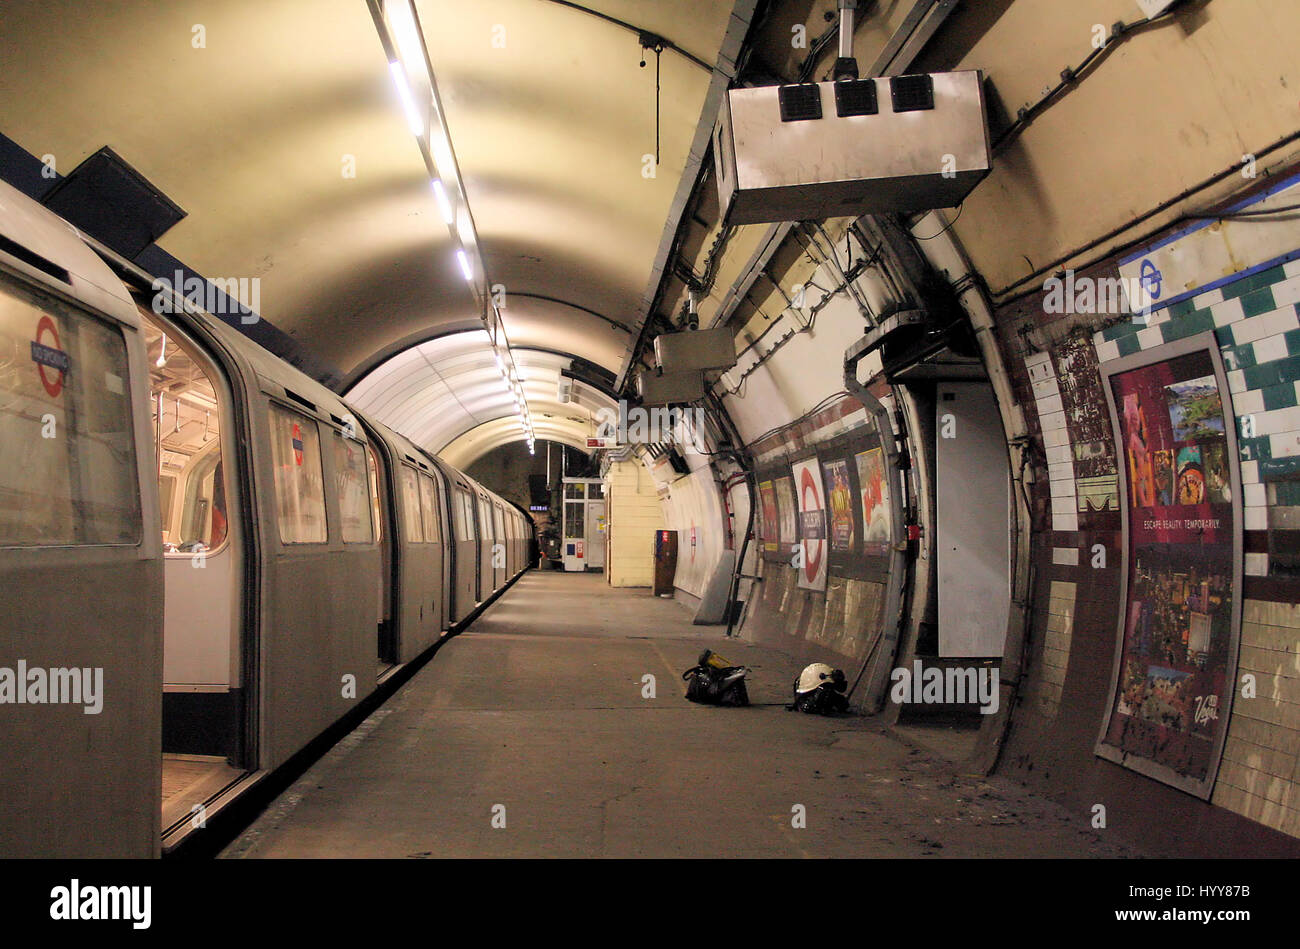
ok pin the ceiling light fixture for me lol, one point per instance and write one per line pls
(444, 203)
(398, 25)
(404, 93)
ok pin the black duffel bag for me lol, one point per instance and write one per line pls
(713, 682)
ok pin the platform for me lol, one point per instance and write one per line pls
(538, 707)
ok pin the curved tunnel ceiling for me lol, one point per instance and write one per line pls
(448, 396)
(254, 133)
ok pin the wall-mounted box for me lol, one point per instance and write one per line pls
(696, 349)
(838, 149)
(670, 388)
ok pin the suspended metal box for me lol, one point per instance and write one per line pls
(670, 388)
(696, 349)
(864, 146)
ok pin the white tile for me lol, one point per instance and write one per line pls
(1058, 454)
(1249, 472)
(1291, 268)
(1270, 348)
(1107, 350)
(1257, 565)
(1061, 472)
(1065, 556)
(1277, 421)
(1285, 445)
(1265, 325)
(1148, 338)
(1050, 404)
(1065, 522)
(1046, 388)
(1052, 421)
(1249, 402)
(1056, 437)
(1207, 299)
(1255, 495)
(1064, 503)
(1229, 311)
(1237, 381)
(1287, 292)
(1256, 518)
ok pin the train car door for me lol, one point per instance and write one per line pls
(380, 504)
(486, 538)
(206, 699)
(465, 590)
(500, 546)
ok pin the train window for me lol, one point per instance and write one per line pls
(485, 518)
(411, 505)
(428, 504)
(574, 491)
(187, 437)
(299, 484)
(68, 474)
(498, 516)
(464, 515)
(352, 479)
(376, 514)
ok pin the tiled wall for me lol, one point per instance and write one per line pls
(1256, 322)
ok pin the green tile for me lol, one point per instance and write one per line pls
(1128, 345)
(1181, 309)
(1255, 449)
(1272, 373)
(1292, 338)
(1257, 302)
(1276, 468)
(1123, 328)
(1224, 336)
(1280, 397)
(1198, 322)
(1288, 492)
(1243, 356)
(1246, 285)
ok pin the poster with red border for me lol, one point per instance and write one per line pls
(1176, 653)
(811, 496)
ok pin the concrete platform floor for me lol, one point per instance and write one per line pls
(536, 714)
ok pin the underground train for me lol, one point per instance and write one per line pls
(207, 559)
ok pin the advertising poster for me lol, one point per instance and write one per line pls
(839, 499)
(1176, 656)
(874, 489)
(812, 523)
(767, 498)
(786, 511)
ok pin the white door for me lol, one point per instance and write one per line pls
(596, 528)
(972, 521)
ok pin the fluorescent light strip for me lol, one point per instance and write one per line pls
(465, 266)
(404, 93)
(444, 203)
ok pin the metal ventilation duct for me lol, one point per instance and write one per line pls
(851, 147)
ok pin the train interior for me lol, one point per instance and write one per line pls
(203, 702)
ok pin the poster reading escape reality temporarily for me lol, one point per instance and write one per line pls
(767, 496)
(1177, 656)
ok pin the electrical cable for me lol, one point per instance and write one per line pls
(1071, 77)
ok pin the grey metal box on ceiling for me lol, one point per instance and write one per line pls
(849, 147)
(696, 349)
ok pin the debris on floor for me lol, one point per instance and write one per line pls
(715, 681)
(819, 690)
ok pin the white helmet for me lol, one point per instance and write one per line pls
(818, 674)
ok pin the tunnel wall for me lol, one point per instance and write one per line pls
(1056, 362)
(634, 514)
